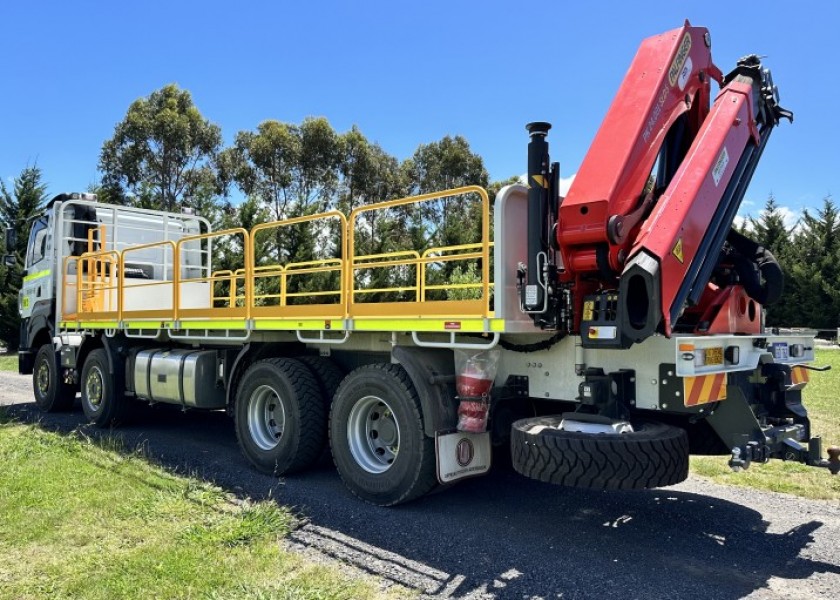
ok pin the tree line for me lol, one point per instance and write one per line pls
(809, 254)
(164, 154)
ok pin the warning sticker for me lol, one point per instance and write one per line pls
(540, 181)
(588, 310)
(720, 166)
(678, 250)
(679, 60)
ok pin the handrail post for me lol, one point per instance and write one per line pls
(176, 279)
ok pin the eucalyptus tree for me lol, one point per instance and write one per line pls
(160, 151)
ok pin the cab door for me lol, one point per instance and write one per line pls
(37, 293)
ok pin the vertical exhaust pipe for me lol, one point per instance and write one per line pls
(533, 294)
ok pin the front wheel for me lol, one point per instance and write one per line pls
(51, 393)
(377, 438)
(104, 405)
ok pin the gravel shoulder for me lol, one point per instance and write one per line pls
(503, 536)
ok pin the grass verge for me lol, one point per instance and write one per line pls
(821, 399)
(9, 362)
(81, 520)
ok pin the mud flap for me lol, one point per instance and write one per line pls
(460, 455)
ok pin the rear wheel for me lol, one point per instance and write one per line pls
(103, 404)
(648, 455)
(377, 438)
(280, 419)
(329, 377)
(51, 393)
(328, 374)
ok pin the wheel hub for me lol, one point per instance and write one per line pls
(373, 434)
(42, 378)
(93, 387)
(266, 417)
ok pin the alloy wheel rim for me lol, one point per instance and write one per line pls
(373, 434)
(94, 387)
(266, 417)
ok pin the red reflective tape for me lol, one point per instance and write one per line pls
(720, 380)
(696, 385)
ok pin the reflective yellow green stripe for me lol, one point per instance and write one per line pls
(38, 275)
(155, 324)
(89, 325)
(363, 324)
(298, 324)
(443, 325)
(217, 324)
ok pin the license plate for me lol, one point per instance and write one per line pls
(714, 356)
(461, 455)
(780, 350)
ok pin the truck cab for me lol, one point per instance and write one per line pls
(36, 298)
(72, 224)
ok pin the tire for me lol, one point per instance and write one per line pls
(328, 374)
(377, 438)
(102, 403)
(51, 393)
(653, 455)
(280, 419)
(329, 377)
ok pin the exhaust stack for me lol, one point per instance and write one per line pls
(534, 297)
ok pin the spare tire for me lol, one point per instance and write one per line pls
(653, 455)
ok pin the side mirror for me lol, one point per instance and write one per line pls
(9, 260)
(11, 239)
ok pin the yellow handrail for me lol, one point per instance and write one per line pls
(249, 279)
(92, 264)
(346, 265)
(483, 245)
(307, 267)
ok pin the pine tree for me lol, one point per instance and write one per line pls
(17, 208)
(769, 230)
(815, 269)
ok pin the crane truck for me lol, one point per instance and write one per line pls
(623, 319)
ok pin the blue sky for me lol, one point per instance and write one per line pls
(405, 72)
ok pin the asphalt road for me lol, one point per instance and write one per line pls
(504, 536)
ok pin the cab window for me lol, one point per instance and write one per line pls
(37, 242)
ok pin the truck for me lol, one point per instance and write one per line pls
(609, 331)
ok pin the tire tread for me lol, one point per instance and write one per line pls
(312, 414)
(424, 477)
(603, 462)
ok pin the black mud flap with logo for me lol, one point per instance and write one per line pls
(460, 455)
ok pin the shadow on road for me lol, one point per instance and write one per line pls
(501, 536)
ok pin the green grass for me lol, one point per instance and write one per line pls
(822, 399)
(79, 519)
(8, 362)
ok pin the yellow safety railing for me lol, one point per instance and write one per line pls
(97, 293)
(388, 260)
(283, 305)
(268, 291)
(155, 298)
(310, 267)
(420, 307)
(193, 301)
(440, 255)
(220, 277)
